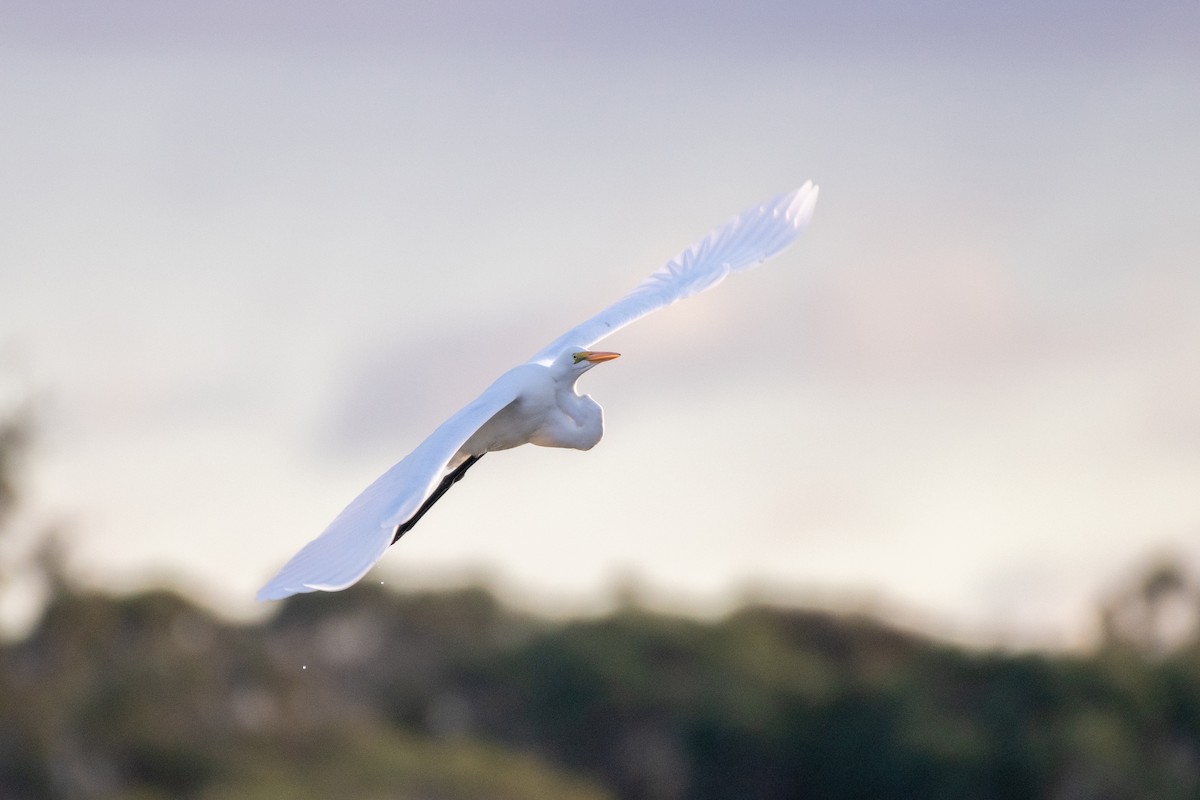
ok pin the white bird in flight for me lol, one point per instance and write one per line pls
(532, 403)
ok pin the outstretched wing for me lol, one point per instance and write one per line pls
(362, 532)
(745, 241)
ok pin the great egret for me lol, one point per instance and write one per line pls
(532, 403)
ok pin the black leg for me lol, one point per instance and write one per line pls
(443, 487)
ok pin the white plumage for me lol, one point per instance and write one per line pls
(532, 403)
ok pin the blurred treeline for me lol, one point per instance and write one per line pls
(370, 694)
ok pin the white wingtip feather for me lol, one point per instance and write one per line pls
(800, 209)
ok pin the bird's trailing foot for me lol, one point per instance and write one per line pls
(443, 487)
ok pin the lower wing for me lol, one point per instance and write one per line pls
(360, 535)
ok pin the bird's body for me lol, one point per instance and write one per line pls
(547, 411)
(532, 403)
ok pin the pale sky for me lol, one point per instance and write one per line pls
(251, 256)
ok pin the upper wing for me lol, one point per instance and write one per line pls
(747, 240)
(362, 532)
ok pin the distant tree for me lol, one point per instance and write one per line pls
(14, 438)
(1157, 612)
(28, 563)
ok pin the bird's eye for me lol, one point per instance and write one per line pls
(580, 357)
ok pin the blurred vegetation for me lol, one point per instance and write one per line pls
(370, 694)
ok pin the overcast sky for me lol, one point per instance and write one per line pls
(252, 254)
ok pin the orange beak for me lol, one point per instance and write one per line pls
(597, 356)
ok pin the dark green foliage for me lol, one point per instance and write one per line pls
(372, 694)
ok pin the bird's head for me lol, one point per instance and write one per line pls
(574, 361)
